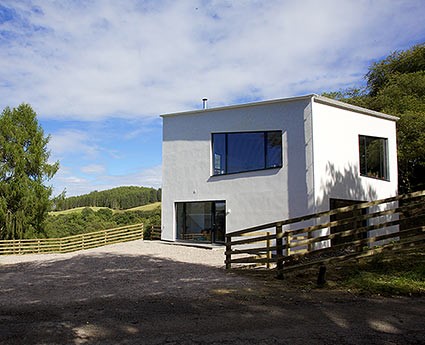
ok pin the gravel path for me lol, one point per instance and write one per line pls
(160, 249)
(156, 293)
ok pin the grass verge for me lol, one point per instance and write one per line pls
(388, 274)
(400, 273)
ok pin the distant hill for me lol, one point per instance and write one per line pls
(77, 210)
(145, 208)
(81, 220)
(119, 198)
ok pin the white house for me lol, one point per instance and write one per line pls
(229, 168)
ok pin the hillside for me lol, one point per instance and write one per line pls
(87, 219)
(120, 198)
(148, 207)
(145, 208)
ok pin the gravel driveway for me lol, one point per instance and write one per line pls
(156, 293)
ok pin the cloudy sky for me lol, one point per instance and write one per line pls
(98, 73)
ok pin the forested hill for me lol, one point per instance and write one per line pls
(119, 198)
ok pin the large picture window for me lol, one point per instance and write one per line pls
(373, 157)
(246, 151)
(203, 221)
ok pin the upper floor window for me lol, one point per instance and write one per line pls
(373, 157)
(246, 151)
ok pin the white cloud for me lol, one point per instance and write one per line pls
(149, 177)
(102, 59)
(72, 142)
(65, 179)
(93, 169)
(95, 59)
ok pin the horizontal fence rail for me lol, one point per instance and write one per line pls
(72, 243)
(155, 233)
(343, 233)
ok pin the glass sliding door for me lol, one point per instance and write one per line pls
(201, 221)
(219, 228)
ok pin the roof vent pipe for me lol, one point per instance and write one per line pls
(204, 103)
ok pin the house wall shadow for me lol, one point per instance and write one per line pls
(343, 184)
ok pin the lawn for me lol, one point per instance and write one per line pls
(400, 273)
(388, 273)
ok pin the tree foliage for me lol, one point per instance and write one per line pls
(396, 86)
(89, 220)
(119, 198)
(381, 73)
(24, 170)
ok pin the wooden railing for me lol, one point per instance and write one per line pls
(155, 233)
(318, 238)
(72, 243)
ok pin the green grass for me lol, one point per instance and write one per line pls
(75, 210)
(149, 207)
(387, 274)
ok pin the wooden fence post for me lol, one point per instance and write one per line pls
(269, 253)
(228, 250)
(279, 251)
(321, 278)
(288, 242)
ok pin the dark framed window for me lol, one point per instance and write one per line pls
(246, 151)
(203, 221)
(373, 153)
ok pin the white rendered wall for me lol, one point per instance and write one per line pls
(336, 158)
(252, 198)
(336, 155)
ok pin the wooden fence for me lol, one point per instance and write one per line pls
(72, 243)
(155, 233)
(335, 235)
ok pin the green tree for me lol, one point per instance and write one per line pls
(381, 73)
(24, 169)
(116, 198)
(105, 214)
(396, 86)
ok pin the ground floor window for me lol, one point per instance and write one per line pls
(201, 221)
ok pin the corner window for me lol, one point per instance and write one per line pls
(373, 153)
(246, 151)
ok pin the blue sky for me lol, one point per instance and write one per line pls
(99, 73)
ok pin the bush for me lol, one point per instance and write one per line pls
(88, 221)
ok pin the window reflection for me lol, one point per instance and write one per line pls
(246, 151)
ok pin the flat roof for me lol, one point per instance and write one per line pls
(312, 97)
(357, 109)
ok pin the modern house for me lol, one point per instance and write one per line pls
(233, 167)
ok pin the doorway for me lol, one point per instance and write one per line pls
(337, 203)
(203, 221)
